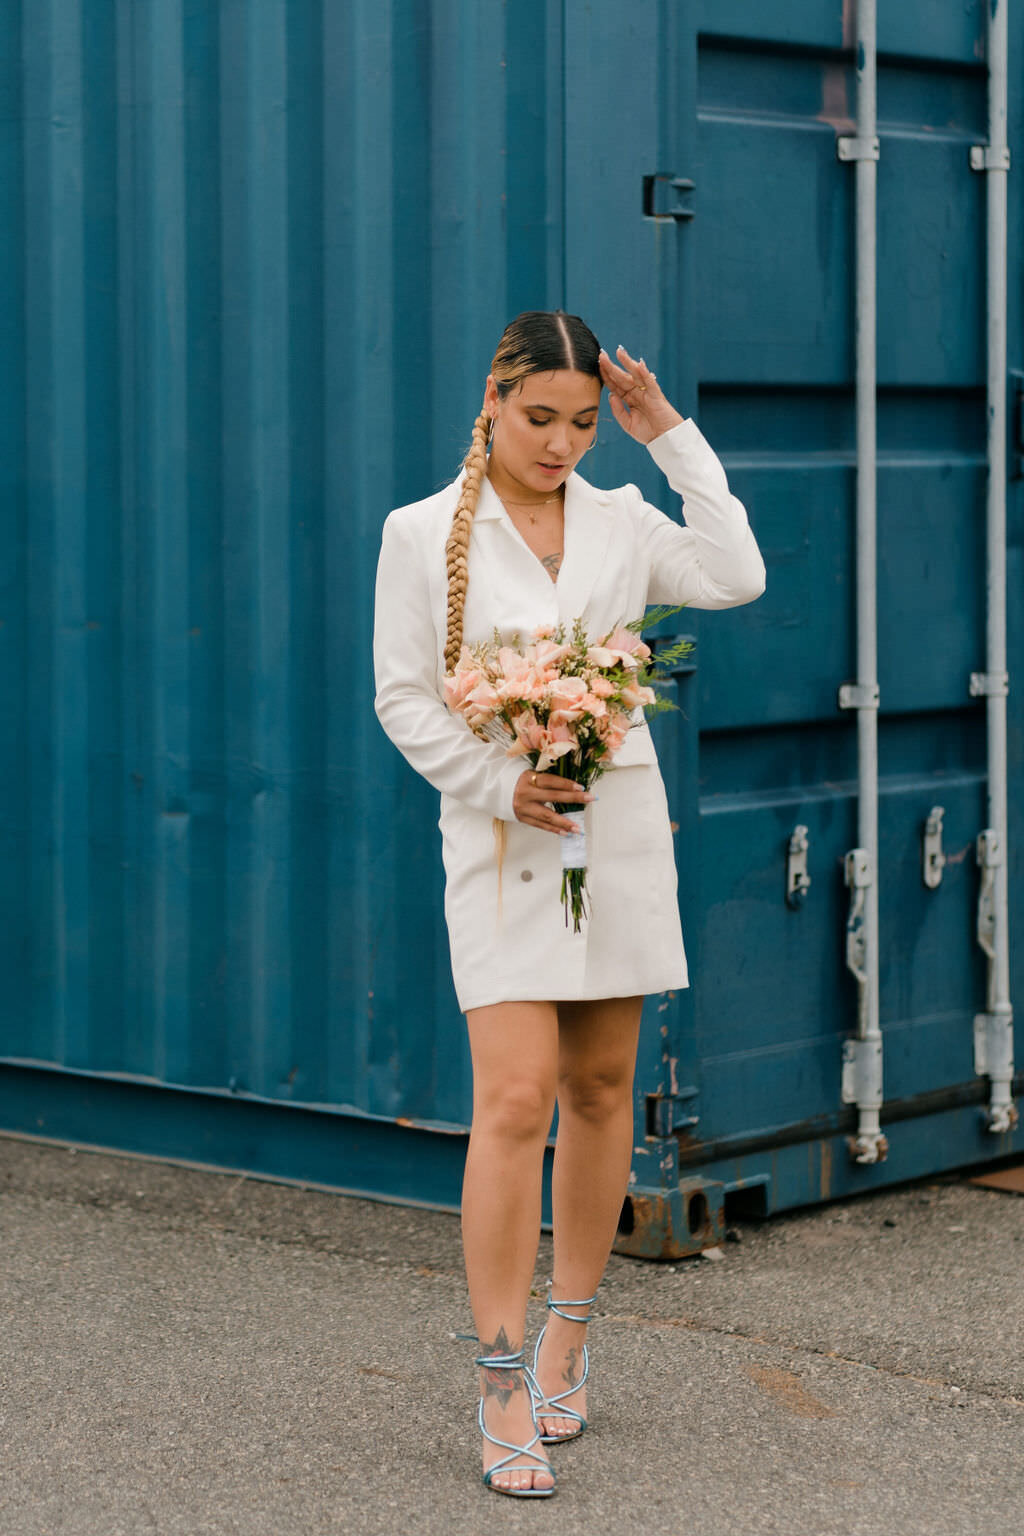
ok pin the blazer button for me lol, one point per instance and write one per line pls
(527, 874)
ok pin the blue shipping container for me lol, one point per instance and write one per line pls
(257, 256)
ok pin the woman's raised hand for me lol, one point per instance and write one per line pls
(534, 790)
(635, 396)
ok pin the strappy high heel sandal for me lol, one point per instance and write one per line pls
(516, 1362)
(553, 1407)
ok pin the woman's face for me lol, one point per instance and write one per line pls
(541, 430)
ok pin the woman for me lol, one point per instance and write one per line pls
(520, 540)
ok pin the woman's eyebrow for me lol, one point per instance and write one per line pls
(554, 411)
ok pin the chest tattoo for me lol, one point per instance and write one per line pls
(552, 563)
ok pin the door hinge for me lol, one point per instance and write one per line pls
(667, 197)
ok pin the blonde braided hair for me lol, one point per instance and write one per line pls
(456, 550)
(537, 341)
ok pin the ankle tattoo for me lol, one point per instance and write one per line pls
(496, 1382)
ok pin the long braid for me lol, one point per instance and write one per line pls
(457, 548)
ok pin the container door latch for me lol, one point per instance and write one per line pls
(797, 879)
(667, 197)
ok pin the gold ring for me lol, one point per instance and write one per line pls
(533, 779)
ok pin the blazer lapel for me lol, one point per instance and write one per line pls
(588, 529)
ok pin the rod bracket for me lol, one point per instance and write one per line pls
(850, 148)
(859, 696)
(985, 157)
(990, 685)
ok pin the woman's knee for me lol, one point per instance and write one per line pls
(596, 1092)
(516, 1109)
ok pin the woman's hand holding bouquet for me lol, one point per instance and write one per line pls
(559, 702)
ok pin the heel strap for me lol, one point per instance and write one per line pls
(556, 1306)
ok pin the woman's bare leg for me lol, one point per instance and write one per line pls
(596, 1067)
(515, 1070)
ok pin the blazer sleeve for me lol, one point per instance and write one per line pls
(438, 744)
(714, 561)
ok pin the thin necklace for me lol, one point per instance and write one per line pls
(528, 504)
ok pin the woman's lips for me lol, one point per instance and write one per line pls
(551, 469)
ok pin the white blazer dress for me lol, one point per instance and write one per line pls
(619, 554)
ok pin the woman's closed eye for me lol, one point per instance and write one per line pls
(545, 421)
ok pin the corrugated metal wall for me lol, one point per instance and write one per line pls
(257, 254)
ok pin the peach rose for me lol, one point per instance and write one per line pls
(566, 692)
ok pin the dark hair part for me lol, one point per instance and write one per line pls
(537, 341)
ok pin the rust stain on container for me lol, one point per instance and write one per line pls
(825, 1182)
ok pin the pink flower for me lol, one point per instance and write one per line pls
(617, 729)
(481, 704)
(547, 655)
(460, 685)
(532, 736)
(525, 685)
(529, 733)
(551, 752)
(601, 686)
(634, 694)
(622, 639)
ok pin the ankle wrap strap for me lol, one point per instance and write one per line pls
(514, 1362)
(556, 1306)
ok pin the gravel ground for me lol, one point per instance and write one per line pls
(193, 1352)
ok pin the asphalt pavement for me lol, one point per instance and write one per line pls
(192, 1353)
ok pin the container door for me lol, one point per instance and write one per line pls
(710, 221)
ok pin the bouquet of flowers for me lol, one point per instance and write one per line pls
(567, 700)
